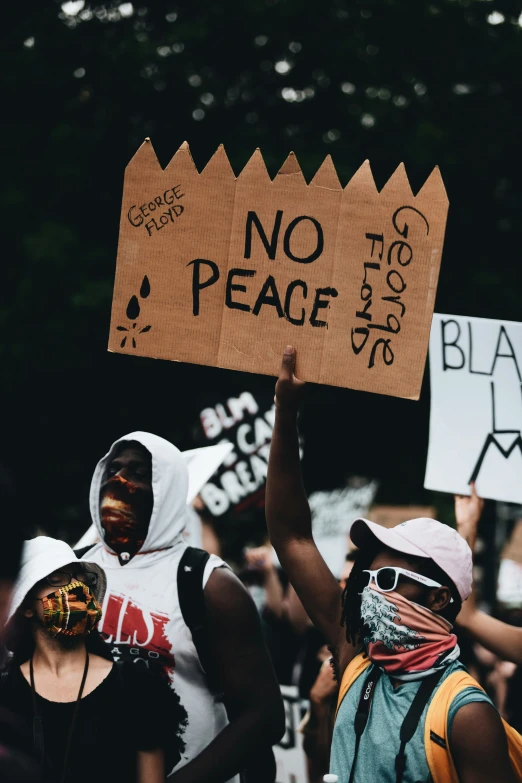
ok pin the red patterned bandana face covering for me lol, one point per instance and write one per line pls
(125, 514)
(406, 640)
(71, 611)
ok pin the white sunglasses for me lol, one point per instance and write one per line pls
(387, 578)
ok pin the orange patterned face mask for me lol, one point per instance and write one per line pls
(125, 514)
(71, 611)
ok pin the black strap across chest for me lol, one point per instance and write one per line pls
(38, 733)
(409, 724)
(191, 596)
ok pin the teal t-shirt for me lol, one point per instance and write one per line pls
(380, 741)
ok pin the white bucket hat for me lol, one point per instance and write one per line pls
(40, 557)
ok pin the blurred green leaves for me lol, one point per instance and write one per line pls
(83, 84)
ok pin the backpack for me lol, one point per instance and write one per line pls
(192, 604)
(436, 740)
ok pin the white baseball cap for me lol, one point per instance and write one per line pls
(423, 537)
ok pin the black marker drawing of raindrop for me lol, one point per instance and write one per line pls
(145, 288)
(133, 312)
(133, 308)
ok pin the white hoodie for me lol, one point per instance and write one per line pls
(142, 620)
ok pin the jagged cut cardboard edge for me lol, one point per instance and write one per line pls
(361, 192)
(290, 172)
(325, 176)
(218, 164)
(398, 181)
(433, 188)
(182, 159)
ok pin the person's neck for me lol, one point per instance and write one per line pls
(51, 655)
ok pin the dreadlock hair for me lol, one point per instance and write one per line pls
(351, 599)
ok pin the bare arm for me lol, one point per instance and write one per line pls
(151, 766)
(288, 514)
(252, 695)
(481, 754)
(502, 639)
(468, 511)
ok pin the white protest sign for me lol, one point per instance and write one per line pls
(332, 516)
(289, 754)
(476, 407)
(509, 584)
(202, 463)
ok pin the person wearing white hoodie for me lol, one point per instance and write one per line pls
(138, 505)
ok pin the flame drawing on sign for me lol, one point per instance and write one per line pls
(133, 312)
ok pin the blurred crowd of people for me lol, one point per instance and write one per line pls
(140, 658)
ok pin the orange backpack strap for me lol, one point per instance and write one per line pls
(436, 740)
(355, 668)
(514, 740)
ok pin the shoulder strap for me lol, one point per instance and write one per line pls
(411, 721)
(436, 740)
(363, 713)
(191, 569)
(436, 744)
(514, 740)
(355, 668)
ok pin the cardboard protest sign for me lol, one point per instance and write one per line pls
(332, 516)
(289, 754)
(244, 424)
(476, 407)
(225, 272)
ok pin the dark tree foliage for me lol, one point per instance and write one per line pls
(82, 84)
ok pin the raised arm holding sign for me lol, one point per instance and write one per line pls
(289, 519)
(400, 601)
